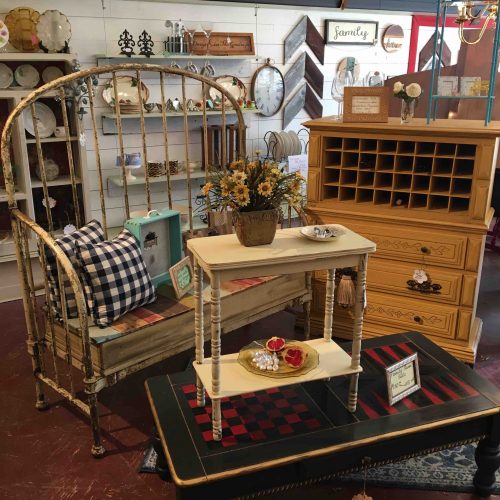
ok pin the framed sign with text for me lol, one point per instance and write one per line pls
(343, 32)
(182, 277)
(403, 378)
(366, 104)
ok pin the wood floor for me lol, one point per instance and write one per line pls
(46, 455)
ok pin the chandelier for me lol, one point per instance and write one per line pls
(472, 10)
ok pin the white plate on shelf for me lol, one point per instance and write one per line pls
(127, 91)
(53, 30)
(51, 73)
(6, 76)
(27, 76)
(232, 84)
(46, 120)
(334, 231)
(4, 34)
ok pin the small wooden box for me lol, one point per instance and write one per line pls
(159, 237)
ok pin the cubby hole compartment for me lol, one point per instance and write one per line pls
(368, 145)
(459, 204)
(438, 202)
(350, 144)
(367, 161)
(387, 146)
(400, 199)
(333, 158)
(5, 225)
(403, 164)
(406, 147)
(422, 165)
(382, 197)
(55, 106)
(461, 186)
(64, 211)
(332, 175)
(333, 143)
(364, 195)
(466, 150)
(463, 167)
(402, 181)
(418, 200)
(443, 166)
(421, 183)
(385, 162)
(365, 179)
(445, 149)
(348, 177)
(383, 180)
(425, 148)
(440, 185)
(347, 193)
(350, 159)
(331, 192)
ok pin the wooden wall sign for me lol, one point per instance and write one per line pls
(305, 31)
(304, 67)
(224, 44)
(303, 98)
(393, 38)
(366, 104)
(341, 32)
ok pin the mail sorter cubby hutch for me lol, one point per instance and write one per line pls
(422, 193)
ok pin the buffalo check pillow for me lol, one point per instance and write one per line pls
(90, 233)
(116, 277)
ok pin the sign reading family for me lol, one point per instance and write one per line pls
(351, 32)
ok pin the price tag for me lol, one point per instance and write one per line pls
(420, 276)
(298, 163)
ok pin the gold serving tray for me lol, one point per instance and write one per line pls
(247, 353)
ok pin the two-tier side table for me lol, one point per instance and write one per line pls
(223, 258)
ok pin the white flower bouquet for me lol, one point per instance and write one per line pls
(410, 92)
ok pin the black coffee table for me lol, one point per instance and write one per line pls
(304, 432)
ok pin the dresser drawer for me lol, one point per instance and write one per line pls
(439, 320)
(396, 242)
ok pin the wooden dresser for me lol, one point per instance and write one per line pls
(422, 194)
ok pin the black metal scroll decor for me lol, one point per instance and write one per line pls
(425, 287)
(145, 44)
(126, 43)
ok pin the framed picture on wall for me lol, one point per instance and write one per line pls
(366, 104)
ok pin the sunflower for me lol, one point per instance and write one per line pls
(236, 164)
(206, 188)
(251, 165)
(226, 183)
(243, 200)
(295, 186)
(239, 176)
(241, 190)
(265, 188)
(275, 172)
(225, 193)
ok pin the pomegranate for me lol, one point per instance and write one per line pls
(294, 357)
(275, 344)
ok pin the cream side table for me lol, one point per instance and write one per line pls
(224, 258)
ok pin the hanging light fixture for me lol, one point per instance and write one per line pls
(471, 10)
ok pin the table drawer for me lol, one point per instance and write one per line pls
(396, 242)
(409, 314)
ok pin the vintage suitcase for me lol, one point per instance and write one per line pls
(160, 240)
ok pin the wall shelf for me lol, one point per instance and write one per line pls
(173, 114)
(51, 139)
(36, 56)
(117, 180)
(62, 180)
(103, 59)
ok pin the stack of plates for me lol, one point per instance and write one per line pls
(283, 144)
(129, 108)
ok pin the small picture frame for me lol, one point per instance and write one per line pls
(470, 86)
(182, 277)
(366, 104)
(349, 32)
(403, 378)
(448, 86)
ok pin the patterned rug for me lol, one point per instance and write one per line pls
(448, 470)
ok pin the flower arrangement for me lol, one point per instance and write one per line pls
(411, 92)
(252, 186)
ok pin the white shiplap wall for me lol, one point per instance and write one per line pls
(95, 31)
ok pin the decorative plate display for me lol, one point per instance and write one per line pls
(232, 84)
(6, 76)
(326, 232)
(294, 359)
(45, 118)
(4, 34)
(21, 23)
(53, 30)
(27, 76)
(127, 91)
(51, 73)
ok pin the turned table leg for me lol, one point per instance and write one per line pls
(488, 461)
(307, 307)
(199, 328)
(357, 332)
(216, 344)
(329, 301)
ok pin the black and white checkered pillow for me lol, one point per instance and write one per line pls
(116, 277)
(90, 233)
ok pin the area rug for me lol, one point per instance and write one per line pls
(447, 470)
